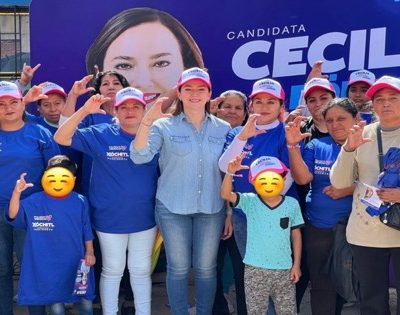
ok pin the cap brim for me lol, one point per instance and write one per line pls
(264, 92)
(130, 98)
(317, 87)
(379, 86)
(11, 95)
(55, 91)
(194, 79)
(358, 81)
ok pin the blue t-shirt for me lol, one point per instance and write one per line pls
(90, 120)
(74, 155)
(121, 194)
(25, 150)
(269, 230)
(271, 143)
(321, 210)
(56, 231)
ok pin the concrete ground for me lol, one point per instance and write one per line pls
(160, 300)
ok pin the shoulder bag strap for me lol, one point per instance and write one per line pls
(380, 150)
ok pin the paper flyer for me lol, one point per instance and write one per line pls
(370, 197)
(81, 280)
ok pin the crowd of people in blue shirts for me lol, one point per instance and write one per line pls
(94, 185)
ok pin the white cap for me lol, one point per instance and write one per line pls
(318, 83)
(266, 163)
(268, 86)
(9, 89)
(384, 82)
(52, 88)
(194, 74)
(362, 76)
(129, 93)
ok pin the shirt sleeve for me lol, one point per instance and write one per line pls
(342, 171)
(87, 227)
(296, 219)
(309, 156)
(19, 221)
(153, 146)
(48, 146)
(232, 148)
(243, 202)
(84, 140)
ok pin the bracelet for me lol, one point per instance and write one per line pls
(233, 174)
(293, 146)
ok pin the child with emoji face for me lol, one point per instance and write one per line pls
(58, 236)
(273, 229)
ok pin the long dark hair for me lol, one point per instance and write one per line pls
(124, 20)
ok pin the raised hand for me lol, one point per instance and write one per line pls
(293, 133)
(316, 71)
(249, 130)
(21, 184)
(92, 105)
(214, 103)
(355, 138)
(27, 73)
(80, 87)
(236, 164)
(155, 112)
(34, 94)
(295, 113)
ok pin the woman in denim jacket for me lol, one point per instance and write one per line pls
(189, 210)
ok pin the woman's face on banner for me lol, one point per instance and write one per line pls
(149, 56)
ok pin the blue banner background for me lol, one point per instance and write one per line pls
(62, 31)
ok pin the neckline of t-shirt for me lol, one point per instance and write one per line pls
(272, 125)
(268, 206)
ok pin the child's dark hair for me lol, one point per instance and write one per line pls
(62, 161)
(344, 103)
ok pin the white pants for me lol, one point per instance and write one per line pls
(113, 249)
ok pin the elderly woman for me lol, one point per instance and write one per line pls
(372, 242)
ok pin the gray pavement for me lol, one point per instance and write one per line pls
(160, 300)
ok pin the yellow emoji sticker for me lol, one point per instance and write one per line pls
(269, 184)
(58, 181)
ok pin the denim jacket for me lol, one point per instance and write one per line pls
(190, 180)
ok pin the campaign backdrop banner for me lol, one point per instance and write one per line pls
(240, 41)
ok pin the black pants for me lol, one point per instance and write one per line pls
(302, 285)
(324, 299)
(220, 305)
(372, 269)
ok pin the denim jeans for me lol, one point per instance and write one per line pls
(8, 238)
(240, 232)
(190, 240)
(84, 306)
(113, 248)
